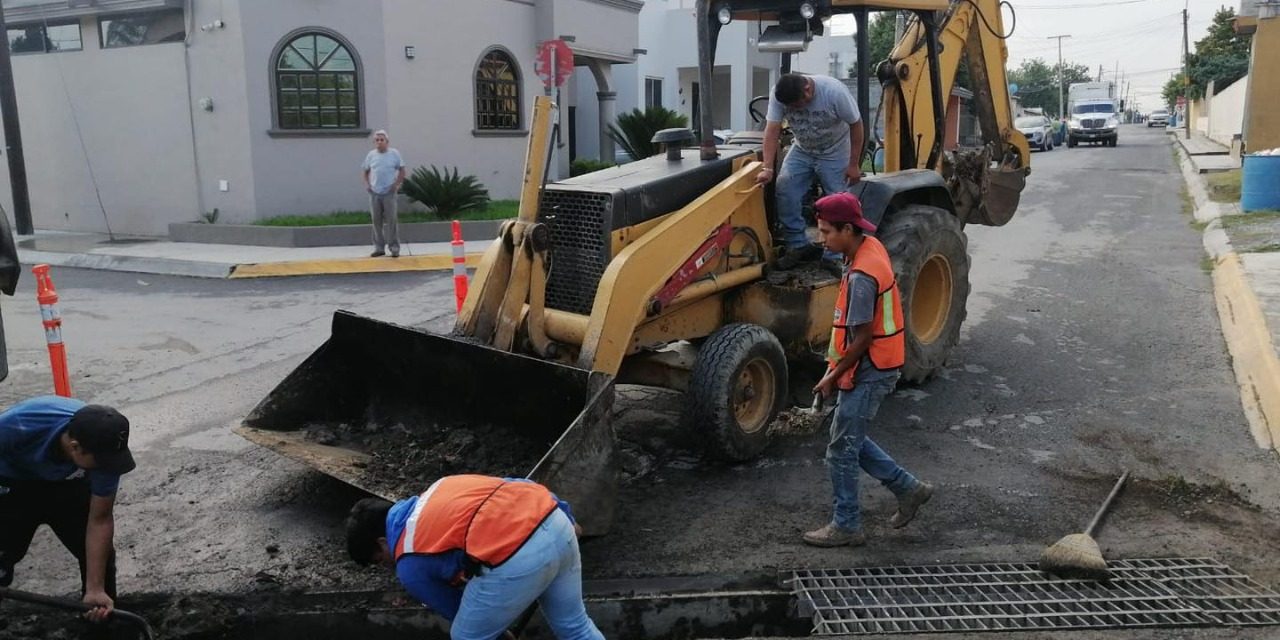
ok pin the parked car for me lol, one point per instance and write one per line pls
(1158, 117)
(1038, 130)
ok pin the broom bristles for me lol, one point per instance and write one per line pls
(1075, 556)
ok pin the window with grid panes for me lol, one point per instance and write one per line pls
(317, 84)
(497, 92)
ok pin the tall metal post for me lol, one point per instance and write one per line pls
(1062, 109)
(13, 141)
(863, 51)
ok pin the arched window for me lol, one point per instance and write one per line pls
(497, 92)
(317, 83)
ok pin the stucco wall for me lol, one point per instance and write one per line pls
(432, 97)
(310, 174)
(1262, 126)
(130, 103)
(1226, 112)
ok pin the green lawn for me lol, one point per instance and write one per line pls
(1224, 186)
(497, 210)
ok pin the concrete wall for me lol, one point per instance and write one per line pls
(1262, 118)
(1226, 112)
(131, 107)
(299, 175)
(431, 98)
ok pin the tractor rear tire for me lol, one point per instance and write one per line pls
(738, 386)
(931, 261)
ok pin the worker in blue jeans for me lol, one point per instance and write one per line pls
(479, 551)
(866, 351)
(827, 145)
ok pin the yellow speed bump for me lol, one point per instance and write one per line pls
(433, 262)
(1252, 353)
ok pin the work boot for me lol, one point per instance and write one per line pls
(796, 256)
(909, 503)
(829, 535)
(378, 254)
(395, 254)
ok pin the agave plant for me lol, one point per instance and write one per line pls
(445, 193)
(635, 129)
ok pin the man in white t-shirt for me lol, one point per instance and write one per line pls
(383, 173)
(827, 144)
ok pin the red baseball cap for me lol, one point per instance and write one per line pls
(843, 207)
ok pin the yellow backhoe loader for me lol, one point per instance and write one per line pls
(657, 273)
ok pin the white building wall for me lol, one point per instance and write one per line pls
(130, 104)
(667, 33)
(431, 98)
(1226, 114)
(312, 174)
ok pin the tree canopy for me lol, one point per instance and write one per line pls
(1038, 83)
(1222, 56)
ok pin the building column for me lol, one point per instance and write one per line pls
(607, 98)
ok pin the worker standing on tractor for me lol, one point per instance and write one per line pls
(828, 137)
(867, 349)
(479, 551)
(60, 465)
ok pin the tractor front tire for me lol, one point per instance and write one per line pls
(931, 261)
(738, 386)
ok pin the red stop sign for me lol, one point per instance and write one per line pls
(554, 75)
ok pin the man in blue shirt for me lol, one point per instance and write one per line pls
(479, 550)
(60, 465)
(383, 173)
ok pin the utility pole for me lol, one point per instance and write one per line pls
(13, 141)
(1186, 76)
(1062, 109)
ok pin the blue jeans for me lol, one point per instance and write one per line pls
(798, 171)
(850, 450)
(547, 569)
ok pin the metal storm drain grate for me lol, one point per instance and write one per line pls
(993, 597)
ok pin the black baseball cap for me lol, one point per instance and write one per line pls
(104, 432)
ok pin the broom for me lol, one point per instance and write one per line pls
(1078, 555)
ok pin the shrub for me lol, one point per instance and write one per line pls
(445, 193)
(635, 129)
(586, 165)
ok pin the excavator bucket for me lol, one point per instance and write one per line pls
(389, 409)
(1003, 194)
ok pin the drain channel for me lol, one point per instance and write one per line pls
(996, 597)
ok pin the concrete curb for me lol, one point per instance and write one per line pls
(1244, 326)
(434, 262)
(131, 264)
(224, 270)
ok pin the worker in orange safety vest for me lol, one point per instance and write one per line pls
(866, 351)
(479, 551)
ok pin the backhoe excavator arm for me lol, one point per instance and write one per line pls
(914, 108)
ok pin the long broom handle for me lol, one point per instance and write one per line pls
(1093, 524)
(73, 605)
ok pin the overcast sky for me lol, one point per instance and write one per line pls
(1143, 36)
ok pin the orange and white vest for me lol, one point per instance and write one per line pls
(888, 343)
(487, 518)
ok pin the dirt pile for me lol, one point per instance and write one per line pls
(404, 459)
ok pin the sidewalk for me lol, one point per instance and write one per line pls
(160, 256)
(1247, 291)
(1207, 156)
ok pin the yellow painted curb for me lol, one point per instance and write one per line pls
(1252, 354)
(434, 262)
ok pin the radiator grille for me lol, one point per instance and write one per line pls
(1093, 123)
(579, 254)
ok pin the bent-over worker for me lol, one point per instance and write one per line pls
(479, 550)
(60, 465)
(867, 349)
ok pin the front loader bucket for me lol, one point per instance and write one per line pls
(389, 409)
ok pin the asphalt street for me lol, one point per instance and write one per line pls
(1092, 345)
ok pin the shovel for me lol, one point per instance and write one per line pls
(75, 605)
